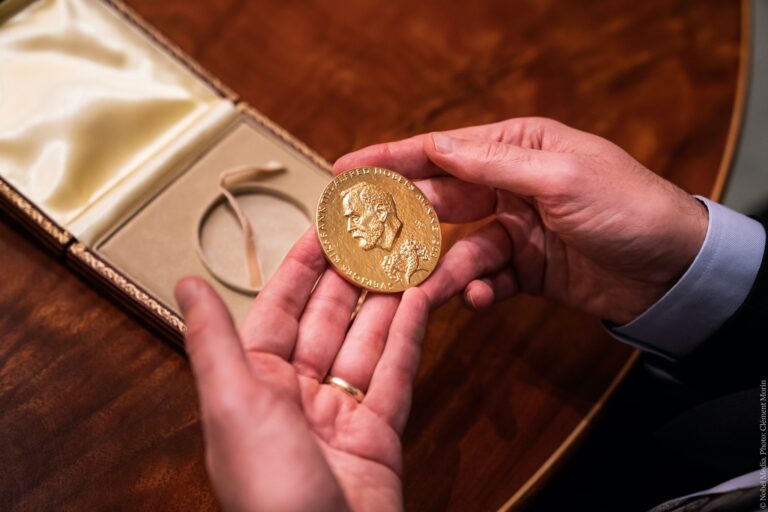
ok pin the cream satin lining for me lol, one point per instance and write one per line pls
(93, 116)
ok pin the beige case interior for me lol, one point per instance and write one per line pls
(158, 244)
(109, 135)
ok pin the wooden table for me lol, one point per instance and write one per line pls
(97, 413)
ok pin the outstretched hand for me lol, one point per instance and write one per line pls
(571, 217)
(574, 217)
(277, 437)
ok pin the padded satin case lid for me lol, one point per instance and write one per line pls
(94, 111)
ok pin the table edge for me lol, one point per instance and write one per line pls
(566, 448)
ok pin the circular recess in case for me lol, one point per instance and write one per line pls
(278, 220)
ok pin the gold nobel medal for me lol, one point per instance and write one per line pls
(378, 230)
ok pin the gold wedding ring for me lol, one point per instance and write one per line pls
(339, 383)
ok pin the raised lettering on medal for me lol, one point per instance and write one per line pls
(378, 230)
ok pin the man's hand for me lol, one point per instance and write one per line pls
(277, 438)
(575, 218)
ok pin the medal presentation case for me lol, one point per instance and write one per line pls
(112, 143)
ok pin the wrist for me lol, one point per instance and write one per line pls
(712, 289)
(691, 233)
(683, 242)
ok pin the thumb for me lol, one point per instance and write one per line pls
(523, 171)
(211, 341)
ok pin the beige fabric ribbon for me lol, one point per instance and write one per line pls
(230, 179)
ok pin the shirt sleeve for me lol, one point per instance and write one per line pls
(710, 291)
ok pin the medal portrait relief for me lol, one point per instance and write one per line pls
(372, 220)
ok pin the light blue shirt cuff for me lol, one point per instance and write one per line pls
(710, 291)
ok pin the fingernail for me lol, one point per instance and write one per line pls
(443, 143)
(187, 292)
(469, 300)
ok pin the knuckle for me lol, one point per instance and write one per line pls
(491, 152)
(541, 131)
(305, 253)
(380, 153)
(367, 345)
(332, 303)
(569, 171)
(226, 408)
(539, 122)
(307, 369)
(494, 153)
(386, 151)
(419, 299)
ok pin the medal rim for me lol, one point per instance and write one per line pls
(416, 189)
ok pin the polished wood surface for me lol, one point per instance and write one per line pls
(96, 413)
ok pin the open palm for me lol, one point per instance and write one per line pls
(572, 216)
(277, 437)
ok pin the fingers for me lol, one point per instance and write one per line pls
(481, 253)
(506, 155)
(272, 322)
(324, 324)
(211, 341)
(481, 293)
(407, 156)
(457, 201)
(365, 341)
(523, 171)
(389, 394)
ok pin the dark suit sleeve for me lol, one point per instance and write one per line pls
(736, 356)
